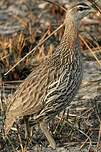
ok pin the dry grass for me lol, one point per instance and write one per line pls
(18, 47)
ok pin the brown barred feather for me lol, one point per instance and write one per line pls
(51, 86)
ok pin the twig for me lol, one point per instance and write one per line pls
(90, 49)
(99, 135)
(61, 120)
(4, 57)
(88, 138)
(99, 138)
(40, 43)
(10, 142)
(55, 3)
(96, 5)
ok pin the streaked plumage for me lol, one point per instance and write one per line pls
(52, 85)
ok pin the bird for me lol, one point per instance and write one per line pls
(52, 85)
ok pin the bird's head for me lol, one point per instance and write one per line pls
(79, 10)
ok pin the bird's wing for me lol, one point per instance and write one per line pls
(56, 93)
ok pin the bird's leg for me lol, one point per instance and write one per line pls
(48, 135)
(27, 129)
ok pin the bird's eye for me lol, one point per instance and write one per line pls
(80, 8)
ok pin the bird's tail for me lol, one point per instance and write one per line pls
(8, 124)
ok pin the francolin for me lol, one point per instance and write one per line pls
(52, 85)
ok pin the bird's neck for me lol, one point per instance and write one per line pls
(69, 40)
(70, 32)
